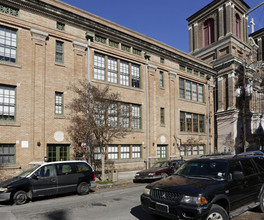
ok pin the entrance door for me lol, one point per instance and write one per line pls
(162, 152)
(59, 152)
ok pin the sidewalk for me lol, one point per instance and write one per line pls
(122, 178)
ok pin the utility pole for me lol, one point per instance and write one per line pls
(244, 107)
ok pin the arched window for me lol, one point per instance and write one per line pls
(208, 32)
(238, 26)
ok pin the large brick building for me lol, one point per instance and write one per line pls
(46, 44)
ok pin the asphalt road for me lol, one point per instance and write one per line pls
(118, 203)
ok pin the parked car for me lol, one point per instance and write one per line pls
(219, 187)
(49, 179)
(160, 170)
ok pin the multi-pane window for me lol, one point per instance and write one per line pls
(182, 150)
(189, 150)
(112, 70)
(201, 93)
(8, 44)
(195, 123)
(195, 150)
(113, 115)
(7, 102)
(97, 153)
(136, 51)
(112, 152)
(190, 122)
(136, 151)
(100, 39)
(208, 32)
(192, 150)
(124, 73)
(113, 44)
(7, 153)
(201, 149)
(125, 152)
(135, 75)
(99, 66)
(125, 48)
(201, 123)
(124, 115)
(58, 103)
(188, 90)
(136, 117)
(182, 88)
(194, 91)
(161, 79)
(182, 121)
(162, 116)
(99, 113)
(59, 51)
(191, 90)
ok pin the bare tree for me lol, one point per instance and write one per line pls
(95, 114)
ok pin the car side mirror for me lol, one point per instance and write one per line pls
(34, 176)
(237, 175)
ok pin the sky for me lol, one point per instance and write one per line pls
(164, 21)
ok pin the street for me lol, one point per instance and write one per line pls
(118, 203)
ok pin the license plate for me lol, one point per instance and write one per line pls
(162, 207)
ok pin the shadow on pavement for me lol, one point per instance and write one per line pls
(140, 214)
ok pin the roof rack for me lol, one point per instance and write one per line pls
(250, 153)
(217, 154)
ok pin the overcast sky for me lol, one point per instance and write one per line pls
(164, 20)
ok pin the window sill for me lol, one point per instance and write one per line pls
(10, 64)
(9, 166)
(59, 64)
(59, 116)
(9, 123)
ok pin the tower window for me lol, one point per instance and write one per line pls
(237, 26)
(208, 32)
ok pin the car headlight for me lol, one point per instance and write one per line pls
(151, 174)
(137, 174)
(3, 189)
(146, 191)
(194, 200)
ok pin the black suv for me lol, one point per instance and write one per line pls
(220, 187)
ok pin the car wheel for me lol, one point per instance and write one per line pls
(83, 188)
(261, 201)
(217, 213)
(164, 175)
(20, 197)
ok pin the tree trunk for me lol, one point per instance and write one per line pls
(103, 166)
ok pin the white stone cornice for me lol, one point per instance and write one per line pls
(152, 66)
(231, 75)
(220, 8)
(38, 35)
(195, 24)
(173, 75)
(228, 3)
(220, 78)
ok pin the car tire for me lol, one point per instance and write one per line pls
(217, 212)
(20, 197)
(164, 175)
(83, 188)
(261, 201)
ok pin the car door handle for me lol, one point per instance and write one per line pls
(53, 180)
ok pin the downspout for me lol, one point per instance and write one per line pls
(208, 119)
(147, 57)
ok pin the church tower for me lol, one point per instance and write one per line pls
(218, 34)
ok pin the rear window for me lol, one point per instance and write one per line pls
(248, 167)
(64, 169)
(82, 167)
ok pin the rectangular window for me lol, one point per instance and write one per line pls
(59, 51)
(188, 90)
(7, 153)
(8, 44)
(113, 44)
(195, 123)
(189, 122)
(161, 79)
(182, 121)
(100, 39)
(112, 115)
(135, 75)
(195, 72)
(125, 48)
(112, 70)
(162, 60)
(97, 153)
(112, 152)
(189, 150)
(162, 116)
(7, 103)
(58, 103)
(201, 150)
(136, 151)
(99, 113)
(124, 115)
(182, 150)
(201, 124)
(136, 117)
(182, 88)
(137, 52)
(124, 73)
(99, 66)
(189, 70)
(182, 67)
(201, 93)
(194, 92)
(195, 150)
(125, 151)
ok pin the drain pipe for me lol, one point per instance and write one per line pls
(147, 57)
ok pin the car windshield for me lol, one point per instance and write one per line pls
(203, 168)
(161, 164)
(27, 172)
